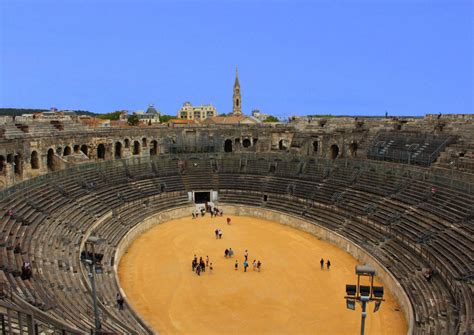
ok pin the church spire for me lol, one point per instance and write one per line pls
(236, 83)
(237, 99)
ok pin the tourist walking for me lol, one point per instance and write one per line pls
(210, 268)
(322, 263)
(207, 261)
(217, 233)
(328, 264)
(236, 266)
(254, 265)
(226, 253)
(246, 265)
(220, 234)
(231, 252)
(246, 254)
(228, 221)
(259, 265)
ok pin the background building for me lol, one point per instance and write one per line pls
(260, 116)
(151, 115)
(202, 112)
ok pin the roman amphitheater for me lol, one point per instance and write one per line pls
(393, 193)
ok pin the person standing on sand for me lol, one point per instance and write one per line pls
(322, 263)
(328, 264)
(211, 268)
(236, 265)
(246, 254)
(207, 260)
(231, 252)
(254, 265)
(259, 266)
(246, 265)
(228, 221)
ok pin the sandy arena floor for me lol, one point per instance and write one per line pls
(291, 294)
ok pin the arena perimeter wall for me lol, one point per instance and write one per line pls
(389, 281)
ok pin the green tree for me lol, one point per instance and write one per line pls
(166, 118)
(110, 116)
(133, 120)
(271, 119)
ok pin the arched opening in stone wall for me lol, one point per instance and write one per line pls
(334, 151)
(127, 143)
(154, 148)
(283, 144)
(136, 148)
(10, 158)
(18, 167)
(84, 149)
(246, 143)
(67, 150)
(2, 163)
(101, 151)
(76, 148)
(50, 160)
(118, 150)
(34, 160)
(353, 149)
(228, 146)
(315, 146)
(144, 142)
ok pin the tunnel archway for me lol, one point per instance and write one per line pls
(118, 150)
(67, 150)
(228, 146)
(334, 151)
(353, 149)
(84, 149)
(154, 148)
(136, 148)
(50, 160)
(101, 151)
(34, 160)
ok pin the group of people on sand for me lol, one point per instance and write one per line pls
(328, 264)
(215, 212)
(257, 265)
(218, 233)
(200, 266)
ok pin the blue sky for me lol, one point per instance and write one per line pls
(294, 57)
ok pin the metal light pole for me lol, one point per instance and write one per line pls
(364, 294)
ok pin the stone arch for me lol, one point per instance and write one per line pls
(283, 144)
(2, 163)
(126, 143)
(50, 160)
(34, 160)
(18, 167)
(67, 150)
(84, 149)
(246, 143)
(334, 151)
(353, 149)
(136, 148)
(76, 148)
(154, 148)
(59, 151)
(101, 151)
(144, 142)
(315, 146)
(228, 145)
(118, 150)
